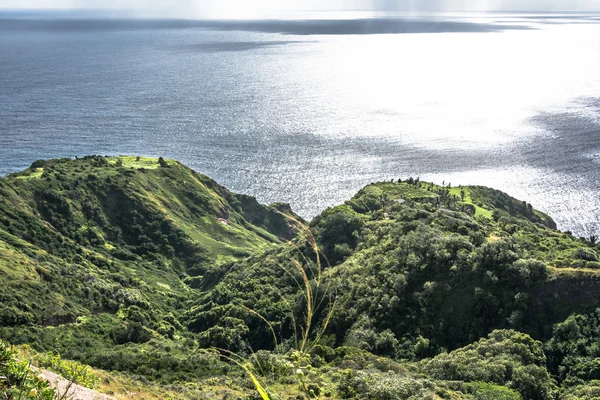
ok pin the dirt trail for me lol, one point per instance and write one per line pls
(75, 392)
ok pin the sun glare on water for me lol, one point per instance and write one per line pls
(459, 88)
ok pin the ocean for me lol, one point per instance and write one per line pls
(308, 111)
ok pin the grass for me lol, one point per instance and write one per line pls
(123, 386)
(574, 272)
(479, 211)
(307, 334)
(399, 190)
(35, 174)
(137, 162)
(223, 240)
(406, 191)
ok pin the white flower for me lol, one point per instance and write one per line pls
(33, 392)
(41, 377)
(299, 372)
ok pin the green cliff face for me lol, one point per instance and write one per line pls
(408, 290)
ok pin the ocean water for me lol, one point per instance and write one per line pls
(307, 111)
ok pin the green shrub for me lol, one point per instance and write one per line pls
(489, 391)
(38, 164)
(574, 348)
(505, 357)
(585, 254)
(70, 370)
(384, 386)
(337, 231)
(19, 381)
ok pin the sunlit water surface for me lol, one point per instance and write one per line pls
(309, 117)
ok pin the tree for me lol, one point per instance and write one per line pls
(337, 230)
(38, 164)
(162, 162)
(593, 240)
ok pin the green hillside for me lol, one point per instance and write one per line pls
(409, 290)
(414, 270)
(100, 252)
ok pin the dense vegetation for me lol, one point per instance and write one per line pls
(408, 290)
(19, 381)
(99, 256)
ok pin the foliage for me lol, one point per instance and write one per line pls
(19, 381)
(574, 349)
(138, 266)
(588, 391)
(70, 370)
(100, 248)
(506, 358)
(384, 386)
(489, 391)
(337, 230)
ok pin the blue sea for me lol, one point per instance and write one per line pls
(308, 110)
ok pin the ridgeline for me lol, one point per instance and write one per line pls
(170, 286)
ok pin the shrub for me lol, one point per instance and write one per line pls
(38, 164)
(19, 381)
(364, 337)
(585, 254)
(489, 391)
(71, 370)
(505, 357)
(383, 386)
(463, 230)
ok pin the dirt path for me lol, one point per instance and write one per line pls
(75, 392)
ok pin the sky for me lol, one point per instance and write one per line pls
(262, 8)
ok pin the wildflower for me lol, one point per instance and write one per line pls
(41, 377)
(299, 373)
(33, 392)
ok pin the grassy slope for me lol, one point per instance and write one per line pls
(479, 210)
(113, 245)
(166, 190)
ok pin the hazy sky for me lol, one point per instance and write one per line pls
(257, 8)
